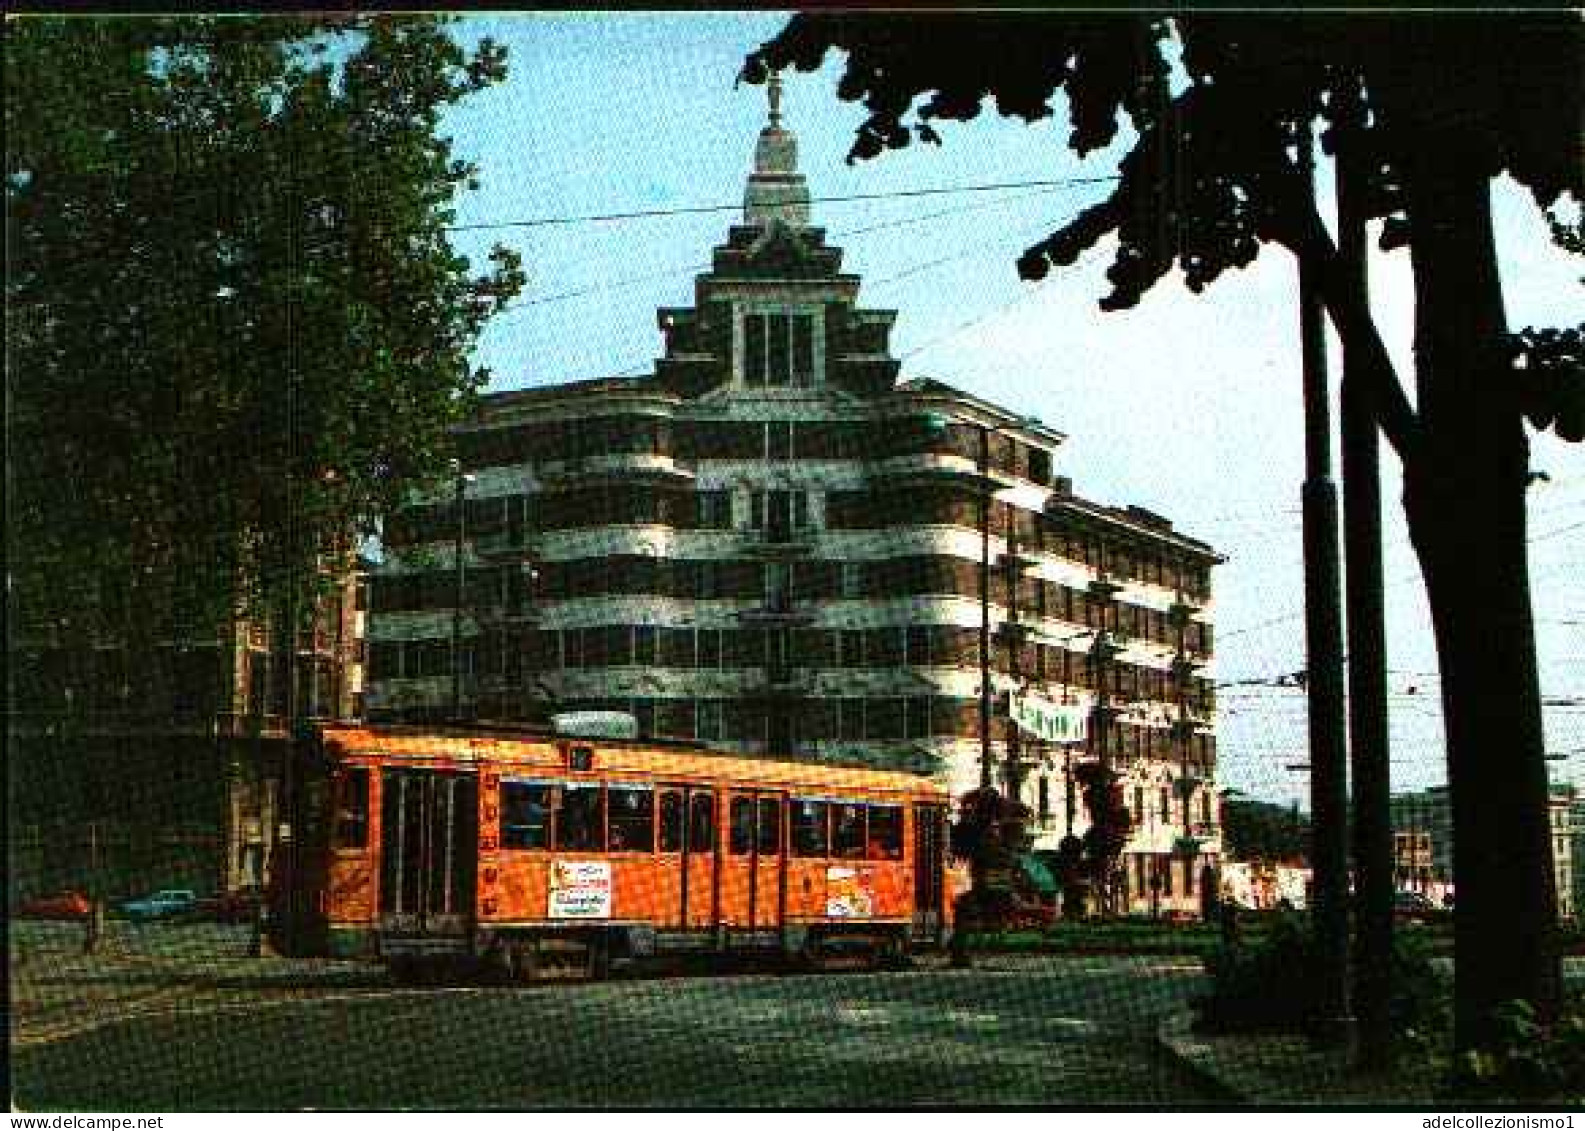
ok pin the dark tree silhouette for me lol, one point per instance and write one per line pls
(1259, 830)
(1110, 826)
(1449, 102)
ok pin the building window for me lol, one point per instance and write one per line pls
(850, 719)
(710, 725)
(644, 645)
(779, 513)
(852, 580)
(709, 583)
(715, 510)
(778, 350)
(709, 649)
(778, 439)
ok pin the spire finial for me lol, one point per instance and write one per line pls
(776, 190)
(773, 92)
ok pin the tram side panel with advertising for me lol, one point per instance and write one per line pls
(536, 851)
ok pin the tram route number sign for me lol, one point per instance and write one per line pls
(580, 889)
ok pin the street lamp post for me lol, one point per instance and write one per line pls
(460, 569)
(984, 465)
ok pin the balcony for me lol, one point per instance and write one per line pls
(779, 609)
(622, 467)
(936, 467)
(786, 681)
(499, 546)
(525, 613)
(1016, 560)
(780, 540)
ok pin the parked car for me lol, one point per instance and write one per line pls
(228, 907)
(1416, 906)
(61, 905)
(165, 904)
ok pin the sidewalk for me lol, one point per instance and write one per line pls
(1280, 1069)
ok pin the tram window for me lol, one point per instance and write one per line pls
(810, 836)
(632, 810)
(741, 842)
(525, 814)
(352, 809)
(769, 826)
(670, 821)
(886, 832)
(701, 830)
(847, 830)
(581, 826)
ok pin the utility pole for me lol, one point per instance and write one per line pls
(985, 606)
(460, 570)
(1367, 636)
(1013, 771)
(1324, 648)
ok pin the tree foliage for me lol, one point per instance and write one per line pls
(1111, 824)
(1259, 830)
(237, 329)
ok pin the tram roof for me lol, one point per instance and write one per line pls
(530, 751)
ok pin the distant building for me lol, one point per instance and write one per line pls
(1423, 842)
(154, 762)
(773, 544)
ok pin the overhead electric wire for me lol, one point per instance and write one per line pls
(694, 267)
(703, 209)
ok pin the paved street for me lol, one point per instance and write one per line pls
(178, 1018)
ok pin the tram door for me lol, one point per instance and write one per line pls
(752, 863)
(930, 846)
(429, 852)
(688, 855)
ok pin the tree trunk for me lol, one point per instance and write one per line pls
(1465, 499)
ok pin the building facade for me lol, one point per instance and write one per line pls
(774, 543)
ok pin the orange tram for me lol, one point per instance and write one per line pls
(532, 853)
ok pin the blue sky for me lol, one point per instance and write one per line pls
(1187, 405)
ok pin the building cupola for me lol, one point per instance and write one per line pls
(776, 189)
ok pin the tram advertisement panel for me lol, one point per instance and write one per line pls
(580, 889)
(850, 893)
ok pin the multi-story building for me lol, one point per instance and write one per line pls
(154, 761)
(773, 543)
